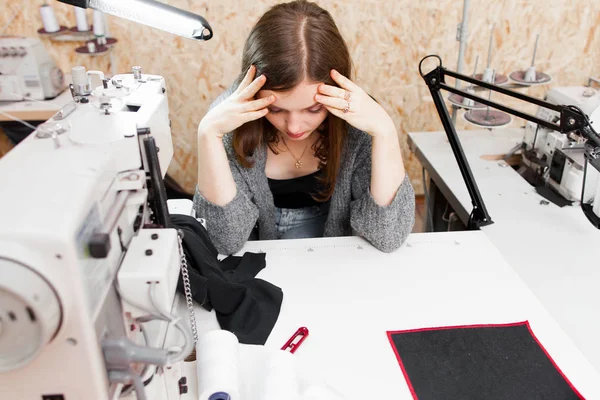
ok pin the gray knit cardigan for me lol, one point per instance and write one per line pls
(352, 211)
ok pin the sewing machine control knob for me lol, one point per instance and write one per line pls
(3, 51)
(22, 51)
(50, 129)
(99, 245)
(31, 314)
(137, 72)
(14, 52)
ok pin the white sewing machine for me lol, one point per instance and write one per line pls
(559, 158)
(27, 71)
(86, 252)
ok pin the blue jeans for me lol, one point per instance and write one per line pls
(298, 223)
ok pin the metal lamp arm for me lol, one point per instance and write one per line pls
(571, 119)
(152, 13)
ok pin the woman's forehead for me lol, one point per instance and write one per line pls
(300, 97)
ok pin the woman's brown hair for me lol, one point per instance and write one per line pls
(287, 33)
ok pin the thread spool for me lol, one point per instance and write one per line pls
(80, 80)
(498, 79)
(487, 118)
(79, 76)
(217, 358)
(81, 20)
(105, 25)
(98, 23)
(137, 72)
(465, 102)
(281, 378)
(530, 74)
(530, 77)
(49, 19)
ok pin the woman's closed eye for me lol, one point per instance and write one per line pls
(314, 110)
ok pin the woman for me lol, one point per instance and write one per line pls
(295, 148)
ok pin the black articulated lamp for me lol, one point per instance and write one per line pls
(572, 120)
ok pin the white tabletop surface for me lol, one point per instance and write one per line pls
(349, 295)
(553, 249)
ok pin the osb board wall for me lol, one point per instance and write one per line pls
(387, 38)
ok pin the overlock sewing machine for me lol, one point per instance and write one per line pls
(27, 71)
(558, 159)
(89, 263)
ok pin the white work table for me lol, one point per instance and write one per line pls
(553, 249)
(349, 294)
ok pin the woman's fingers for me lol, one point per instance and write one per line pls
(344, 82)
(332, 91)
(250, 91)
(253, 115)
(335, 102)
(259, 104)
(336, 111)
(247, 79)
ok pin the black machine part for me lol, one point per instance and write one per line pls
(572, 118)
(157, 194)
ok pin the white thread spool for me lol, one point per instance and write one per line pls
(105, 25)
(281, 379)
(467, 102)
(79, 76)
(530, 75)
(488, 75)
(217, 355)
(91, 46)
(98, 23)
(81, 20)
(49, 19)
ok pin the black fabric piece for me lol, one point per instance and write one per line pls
(491, 362)
(296, 192)
(245, 305)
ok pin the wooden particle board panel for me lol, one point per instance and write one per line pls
(386, 39)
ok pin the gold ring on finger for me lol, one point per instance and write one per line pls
(347, 108)
(347, 96)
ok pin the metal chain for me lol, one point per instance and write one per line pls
(187, 288)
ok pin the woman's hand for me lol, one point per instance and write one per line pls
(240, 107)
(354, 105)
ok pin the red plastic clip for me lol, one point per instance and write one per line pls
(291, 345)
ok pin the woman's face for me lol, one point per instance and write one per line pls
(295, 113)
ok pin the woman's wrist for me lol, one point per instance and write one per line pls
(208, 132)
(385, 132)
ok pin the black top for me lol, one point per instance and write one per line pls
(296, 192)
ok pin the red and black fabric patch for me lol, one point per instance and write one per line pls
(492, 362)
